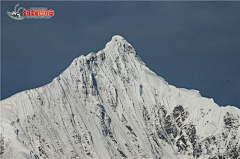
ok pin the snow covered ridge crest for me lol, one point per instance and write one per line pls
(110, 105)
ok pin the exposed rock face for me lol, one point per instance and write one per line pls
(110, 105)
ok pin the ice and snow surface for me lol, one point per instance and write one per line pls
(110, 105)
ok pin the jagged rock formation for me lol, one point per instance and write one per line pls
(110, 105)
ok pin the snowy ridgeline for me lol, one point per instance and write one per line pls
(110, 105)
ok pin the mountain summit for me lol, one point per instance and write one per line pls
(110, 105)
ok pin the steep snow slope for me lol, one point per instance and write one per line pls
(110, 105)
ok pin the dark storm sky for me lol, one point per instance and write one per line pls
(195, 45)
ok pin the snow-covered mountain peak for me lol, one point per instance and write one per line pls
(117, 38)
(115, 48)
(118, 43)
(111, 105)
